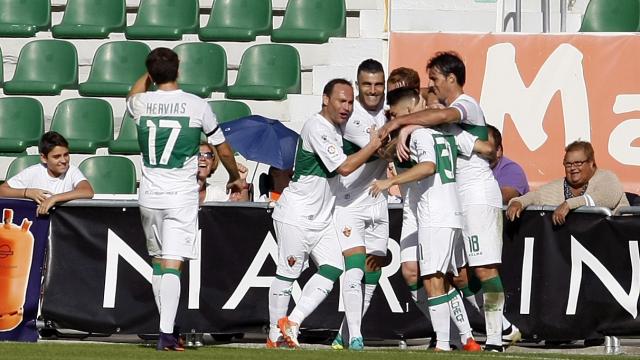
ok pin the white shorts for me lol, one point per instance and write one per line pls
(436, 250)
(363, 226)
(296, 245)
(171, 233)
(409, 235)
(482, 234)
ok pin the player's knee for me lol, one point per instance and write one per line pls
(330, 272)
(410, 272)
(459, 281)
(486, 272)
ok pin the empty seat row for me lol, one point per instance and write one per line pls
(309, 21)
(46, 67)
(611, 16)
(86, 123)
(106, 174)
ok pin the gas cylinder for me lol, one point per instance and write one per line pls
(16, 251)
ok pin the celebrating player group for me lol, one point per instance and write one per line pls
(335, 208)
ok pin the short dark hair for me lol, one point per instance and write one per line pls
(402, 93)
(162, 64)
(403, 77)
(493, 131)
(370, 66)
(49, 140)
(328, 89)
(585, 146)
(449, 62)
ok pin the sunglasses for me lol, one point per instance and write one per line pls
(206, 155)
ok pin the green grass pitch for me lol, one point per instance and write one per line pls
(89, 351)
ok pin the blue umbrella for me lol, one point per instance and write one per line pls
(263, 140)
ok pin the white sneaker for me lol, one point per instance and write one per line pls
(289, 332)
(511, 335)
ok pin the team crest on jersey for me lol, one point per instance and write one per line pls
(291, 260)
(346, 231)
(331, 149)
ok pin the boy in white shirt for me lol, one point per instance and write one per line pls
(52, 181)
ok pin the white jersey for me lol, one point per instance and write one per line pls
(309, 199)
(37, 176)
(169, 126)
(475, 180)
(439, 205)
(354, 188)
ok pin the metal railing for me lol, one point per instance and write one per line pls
(502, 20)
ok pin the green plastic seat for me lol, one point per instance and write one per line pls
(21, 123)
(312, 21)
(20, 163)
(164, 20)
(110, 174)
(611, 16)
(91, 19)
(203, 68)
(24, 18)
(267, 72)
(238, 20)
(127, 141)
(1, 70)
(227, 110)
(45, 67)
(86, 123)
(116, 67)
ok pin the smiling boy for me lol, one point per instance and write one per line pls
(53, 180)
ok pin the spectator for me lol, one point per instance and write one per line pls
(207, 164)
(583, 185)
(510, 176)
(273, 183)
(52, 181)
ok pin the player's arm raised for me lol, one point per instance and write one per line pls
(426, 117)
(484, 149)
(141, 85)
(355, 160)
(417, 172)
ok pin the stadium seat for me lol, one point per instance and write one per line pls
(227, 110)
(86, 123)
(312, 21)
(21, 123)
(20, 163)
(203, 68)
(164, 20)
(1, 69)
(91, 19)
(116, 67)
(127, 141)
(110, 174)
(238, 20)
(45, 67)
(611, 16)
(24, 18)
(267, 72)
